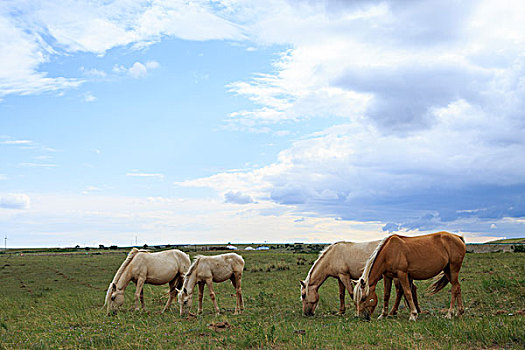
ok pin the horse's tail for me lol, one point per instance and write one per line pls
(121, 269)
(440, 281)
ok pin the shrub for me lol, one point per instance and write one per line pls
(519, 248)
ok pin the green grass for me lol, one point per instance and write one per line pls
(49, 302)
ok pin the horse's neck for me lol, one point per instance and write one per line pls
(189, 283)
(319, 273)
(124, 279)
(377, 270)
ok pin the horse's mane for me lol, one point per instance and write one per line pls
(370, 262)
(321, 256)
(121, 269)
(192, 268)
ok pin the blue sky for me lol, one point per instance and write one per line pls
(252, 121)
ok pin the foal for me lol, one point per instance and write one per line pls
(209, 269)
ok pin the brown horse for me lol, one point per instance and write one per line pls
(345, 262)
(412, 258)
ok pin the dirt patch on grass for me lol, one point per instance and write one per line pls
(219, 326)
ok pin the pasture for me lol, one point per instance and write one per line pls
(51, 302)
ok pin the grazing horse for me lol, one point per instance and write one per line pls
(209, 269)
(344, 261)
(141, 267)
(412, 258)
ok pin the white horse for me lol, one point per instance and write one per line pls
(141, 267)
(209, 269)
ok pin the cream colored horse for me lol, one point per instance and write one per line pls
(344, 261)
(141, 267)
(412, 258)
(209, 269)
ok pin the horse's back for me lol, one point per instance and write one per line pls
(159, 267)
(220, 267)
(423, 254)
(350, 257)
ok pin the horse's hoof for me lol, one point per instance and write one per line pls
(412, 318)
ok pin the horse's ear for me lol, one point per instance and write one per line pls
(113, 286)
(184, 290)
(303, 284)
(354, 281)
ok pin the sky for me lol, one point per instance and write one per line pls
(174, 122)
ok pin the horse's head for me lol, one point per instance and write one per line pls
(365, 299)
(309, 297)
(185, 301)
(115, 299)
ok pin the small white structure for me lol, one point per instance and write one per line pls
(231, 247)
(263, 248)
(249, 248)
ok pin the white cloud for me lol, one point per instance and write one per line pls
(17, 142)
(91, 189)
(137, 70)
(431, 179)
(93, 72)
(43, 29)
(135, 174)
(38, 165)
(89, 97)
(68, 220)
(15, 201)
(237, 198)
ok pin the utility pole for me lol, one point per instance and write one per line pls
(5, 243)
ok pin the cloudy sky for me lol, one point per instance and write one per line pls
(171, 121)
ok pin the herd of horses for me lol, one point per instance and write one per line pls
(358, 267)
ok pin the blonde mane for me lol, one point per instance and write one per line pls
(321, 256)
(370, 262)
(192, 268)
(120, 271)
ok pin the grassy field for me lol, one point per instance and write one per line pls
(55, 302)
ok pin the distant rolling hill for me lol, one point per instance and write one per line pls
(509, 240)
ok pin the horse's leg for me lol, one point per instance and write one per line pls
(347, 282)
(386, 295)
(239, 292)
(399, 295)
(172, 293)
(405, 283)
(139, 293)
(341, 297)
(201, 294)
(414, 295)
(452, 274)
(209, 283)
(236, 284)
